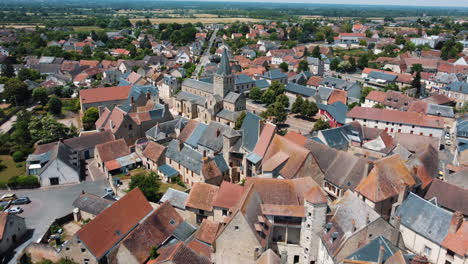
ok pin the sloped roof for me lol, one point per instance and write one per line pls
(300, 89)
(112, 150)
(251, 131)
(458, 241)
(175, 197)
(387, 179)
(370, 252)
(179, 254)
(228, 195)
(268, 131)
(346, 170)
(424, 218)
(207, 231)
(96, 95)
(188, 129)
(201, 196)
(88, 141)
(114, 223)
(91, 203)
(3, 223)
(154, 151)
(224, 68)
(448, 196)
(268, 257)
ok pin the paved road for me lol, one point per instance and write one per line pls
(47, 204)
(206, 54)
(8, 125)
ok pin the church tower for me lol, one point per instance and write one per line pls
(223, 79)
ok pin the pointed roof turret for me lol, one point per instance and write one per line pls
(224, 68)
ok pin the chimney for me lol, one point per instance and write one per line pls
(419, 260)
(218, 132)
(457, 220)
(367, 219)
(354, 225)
(101, 110)
(132, 100)
(205, 160)
(148, 96)
(396, 230)
(381, 255)
(179, 146)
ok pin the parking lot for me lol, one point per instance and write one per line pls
(46, 205)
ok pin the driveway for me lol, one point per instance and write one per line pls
(46, 205)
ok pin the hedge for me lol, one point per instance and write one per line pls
(24, 181)
(18, 156)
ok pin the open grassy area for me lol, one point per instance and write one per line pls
(11, 170)
(165, 186)
(204, 20)
(351, 52)
(86, 28)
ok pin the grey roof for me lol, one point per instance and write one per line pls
(313, 61)
(183, 231)
(163, 130)
(224, 68)
(228, 115)
(382, 76)
(459, 179)
(167, 171)
(340, 136)
(221, 163)
(91, 203)
(337, 110)
(444, 77)
(274, 74)
(440, 110)
(324, 92)
(195, 99)
(187, 157)
(243, 78)
(46, 68)
(251, 131)
(462, 128)
(209, 138)
(459, 87)
(424, 218)
(196, 135)
(300, 89)
(175, 197)
(262, 84)
(346, 170)
(88, 141)
(198, 85)
(231, 97)
(404, 153)
(370, 252)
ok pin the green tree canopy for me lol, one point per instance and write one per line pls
(148, 183)
(309, 109)
(316, 52)
(39, 94)
(55, 105)
(297, 105)
(320, 125)
(46, 129)
(255, 94)
(284, 66)
(16, 92)
(240, 120)
(90, 117)
(303, 66)
(28, 74)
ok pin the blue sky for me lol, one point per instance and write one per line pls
(461, 3)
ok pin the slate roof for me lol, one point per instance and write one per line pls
(89, 141)
(337, 110)
(232, 97)
(339, 136)
(211, 140)
(183, 231)
(440, 110)
(90, 203)
(196, 134)
(274, 74)
(228, 115)
(198, 85)
(382, 76)
(167, 171)
(193, 98)
(250, 131)
(114, 223)
(459, 87)
(323, 93)
(243, 79)
(224, 68)
(262, 84)
(424, 218)
(370, 252)
(187, 157)
(462, 128)
(188, 130)
(175, 197)
(300, 90)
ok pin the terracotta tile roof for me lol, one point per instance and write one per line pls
(387, 179)
(114, 223)
(338, 96)
(154, 230)
(295, 137)
(396, 116)
(425, 62)
(458, 241)
(316, 195)
(97, 95)
(207, 231)
(200, 248)
(264, 140)
(121, 51)
(187, 131)
(377, 96)
(268, 257)
(111, 120)
(428, 167)
(314, 81)
(352, 35)
(414, 142)
(154, 151)
(112, 150)
(283, 210)
(418, 107)
(201, 196)
(297, 155)
(90, 63)
(179, 254)
(439, 99)
(3, 223)
(228, 195)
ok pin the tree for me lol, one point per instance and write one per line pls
(362, 43)
(363, 61)
(309, 109)
(283, 99)
(28, 74)
(416, 83)
(297, 105)
(21, 135)
(90, 117)
(8, 70)
(46, 129)
(352, 105)
(16, 91)
(268, 97)
(87, 52)
(240, 120)
(303, 66)
(148, 183)
(316, 52)
(365, 91)
(320, 125)
(278, 111)
(284, 66)
(345, 66)
(416, 68)
(55, 105)
(379, 106)
(255, 94)
(334, 64)
(40, 95)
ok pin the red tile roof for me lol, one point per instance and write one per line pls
(3, 223)
(179, 254)
(338, 96)
(121, 51)
(112, 150)
(90, 63)
(295, 137)
(114, 223)
(314, 81)
(201, 196)
(207, 231)
(283, 210)
(228, 195)
(200, 248)
(96, 95)
(377, 96)
(458, 241)
(396, 116)
(264, 140)
(352, 35)
(316, 196)
(153, 151)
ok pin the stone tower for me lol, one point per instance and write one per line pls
(223, 79)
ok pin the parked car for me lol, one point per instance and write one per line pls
(8, 197)
(447, 136)
(14, 210)
(21, 200)
(448, 142)
(109, 191)
(5, 204)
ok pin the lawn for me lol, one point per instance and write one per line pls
(204, 20)
(165, 186)
(351, 52)
(11, 170)
(86, 28)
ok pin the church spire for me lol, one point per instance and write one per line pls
(224, 68)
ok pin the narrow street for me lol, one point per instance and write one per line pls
(206, 54)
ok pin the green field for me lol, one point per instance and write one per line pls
(11, 170)
(86, 28)
(165, 186)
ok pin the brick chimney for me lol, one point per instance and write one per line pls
(419, 260)
(132, 100)
(218, 132)
(457, 220)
